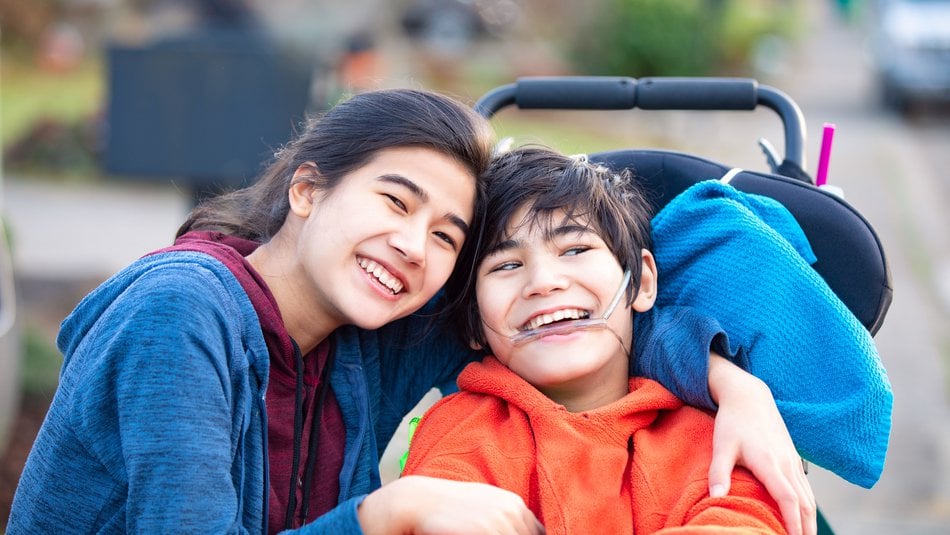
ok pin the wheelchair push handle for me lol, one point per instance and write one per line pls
(659, 93)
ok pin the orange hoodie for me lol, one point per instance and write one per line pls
(638, 465)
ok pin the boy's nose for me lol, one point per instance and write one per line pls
(543, 279)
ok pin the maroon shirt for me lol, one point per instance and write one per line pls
(281, 392)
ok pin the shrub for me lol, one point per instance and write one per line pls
(678, 37)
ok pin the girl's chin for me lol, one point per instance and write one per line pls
(370, 320)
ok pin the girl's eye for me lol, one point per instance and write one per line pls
(395, 200)
(447, 239)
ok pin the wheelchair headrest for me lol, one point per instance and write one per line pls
(850, 256)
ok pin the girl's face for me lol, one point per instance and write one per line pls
(381, 243)
(544, 274)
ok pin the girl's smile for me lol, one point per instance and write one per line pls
(373, 249)
(383, 276)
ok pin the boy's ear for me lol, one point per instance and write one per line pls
(303, 190)
(646, 296)
(474, 343)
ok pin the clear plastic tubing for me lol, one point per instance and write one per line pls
(567, 327)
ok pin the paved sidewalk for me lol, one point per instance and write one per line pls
(68, 231)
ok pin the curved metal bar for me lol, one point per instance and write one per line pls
(496, 99)
(692, 94)
(792, 119)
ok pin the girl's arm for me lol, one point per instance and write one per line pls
(743, 260)
(427, 505)
(673, 347)
(749, 431)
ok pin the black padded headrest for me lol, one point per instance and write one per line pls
(850, 256)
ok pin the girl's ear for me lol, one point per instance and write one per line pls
(646, 296)
(303, 190)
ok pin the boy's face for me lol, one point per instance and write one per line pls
(545, 273)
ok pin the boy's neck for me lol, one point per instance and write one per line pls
(589, 393)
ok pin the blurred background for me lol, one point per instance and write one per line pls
(116, 116)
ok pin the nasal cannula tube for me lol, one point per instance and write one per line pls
(566, 327)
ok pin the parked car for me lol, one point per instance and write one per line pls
(911, 50)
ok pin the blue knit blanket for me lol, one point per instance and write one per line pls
(744, 260)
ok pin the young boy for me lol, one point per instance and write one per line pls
(552, 415)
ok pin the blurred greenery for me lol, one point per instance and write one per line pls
(50, 118)
(41, 363)
(680, 37)
(29, 95)
(571, 132)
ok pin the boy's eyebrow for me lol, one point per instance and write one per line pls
(549, 235)
(563, 230)
(505, 245)
(423, 197)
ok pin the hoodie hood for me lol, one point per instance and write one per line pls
(231, 251)
(217, 249)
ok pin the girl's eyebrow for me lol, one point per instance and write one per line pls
(413, 188)
(423, 196)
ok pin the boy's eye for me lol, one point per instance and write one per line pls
(576, 250)
(395, 200)
(505, 266)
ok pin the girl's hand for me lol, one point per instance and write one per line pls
(750, 432)
(423, 505)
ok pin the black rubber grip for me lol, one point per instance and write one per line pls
(576, 93)
(697, 94)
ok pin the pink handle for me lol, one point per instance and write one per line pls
(828, 134)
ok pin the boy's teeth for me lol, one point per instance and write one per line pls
(558, 315)
(384, 277)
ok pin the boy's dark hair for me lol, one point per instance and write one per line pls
(611, 203)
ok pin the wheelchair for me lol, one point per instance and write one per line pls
(850, 257)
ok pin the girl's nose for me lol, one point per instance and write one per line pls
(410, 241)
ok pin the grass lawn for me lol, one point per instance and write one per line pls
(28, 94)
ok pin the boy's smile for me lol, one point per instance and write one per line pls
(549, 317)
(544, 274)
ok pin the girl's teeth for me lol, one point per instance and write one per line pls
(383, 276)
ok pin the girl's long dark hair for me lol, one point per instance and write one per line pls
(342, 140)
